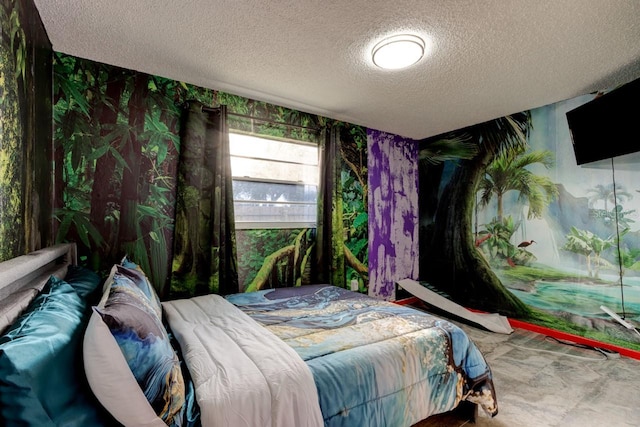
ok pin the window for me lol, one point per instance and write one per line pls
(275, 182)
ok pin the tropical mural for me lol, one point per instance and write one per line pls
(510, 223)
(25, 137)
(507, 221)
(118, 142)
(354, 183)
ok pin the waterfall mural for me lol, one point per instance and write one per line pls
(542, 239)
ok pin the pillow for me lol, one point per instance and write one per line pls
(135, 277)
(41, 378)
(111, 379)
(135, 273)
(83, 280)
(13, 305)
(129, 361)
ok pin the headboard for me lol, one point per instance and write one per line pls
(33, 270)
(21, 278)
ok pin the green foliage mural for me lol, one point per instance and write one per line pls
(495, 243)
(116, 136)
(25, 115)
(256, 245)
(117, 144)
(508, 172)
(353, 150)
(275, 258)
(11, 142)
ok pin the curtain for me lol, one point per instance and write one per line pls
(204, 242)
(330, 260)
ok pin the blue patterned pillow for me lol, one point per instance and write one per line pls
(143, 340)
(137, 276)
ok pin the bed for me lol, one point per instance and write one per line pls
(374, 363)
(306, 356)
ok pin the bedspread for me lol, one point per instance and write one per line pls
(374, 363)
(244, 376)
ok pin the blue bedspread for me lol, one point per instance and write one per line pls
(374, 363)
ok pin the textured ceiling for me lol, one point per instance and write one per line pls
(487, 58)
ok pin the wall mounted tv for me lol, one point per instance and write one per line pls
(608, 126)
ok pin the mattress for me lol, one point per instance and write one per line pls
(374, 363)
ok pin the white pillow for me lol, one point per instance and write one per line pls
(111, 380)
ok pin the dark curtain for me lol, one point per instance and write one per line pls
(204, 242)
(330, 267)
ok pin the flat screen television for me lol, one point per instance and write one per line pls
(608, 126)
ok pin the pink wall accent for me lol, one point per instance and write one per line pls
(393, 211)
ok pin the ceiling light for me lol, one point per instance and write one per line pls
(398, 51)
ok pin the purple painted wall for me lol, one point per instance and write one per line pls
(393, 211)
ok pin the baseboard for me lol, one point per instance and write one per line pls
(634, 354)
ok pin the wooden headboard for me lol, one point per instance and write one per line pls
(33, 270)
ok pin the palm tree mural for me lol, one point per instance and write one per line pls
(615, 194)
(609, 193)
(432, 155)
(591, 246)
(451, 261)
(508, 172)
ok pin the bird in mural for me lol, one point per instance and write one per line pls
(482, 239)
(526, 243)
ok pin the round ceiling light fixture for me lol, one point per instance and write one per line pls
(399, 51)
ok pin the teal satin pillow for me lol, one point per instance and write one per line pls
(41, 378)
(84, 281)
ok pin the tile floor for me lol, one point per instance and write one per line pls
(543, 383)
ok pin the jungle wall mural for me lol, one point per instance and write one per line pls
(25, 130)
(117, 139)
(510, 223)
(507, 221)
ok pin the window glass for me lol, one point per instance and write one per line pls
(275, 182)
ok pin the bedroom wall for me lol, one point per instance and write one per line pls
(552, 234)
(26, 134)
(562, 287)
(97, 138)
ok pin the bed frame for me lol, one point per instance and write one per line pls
(34, 269)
